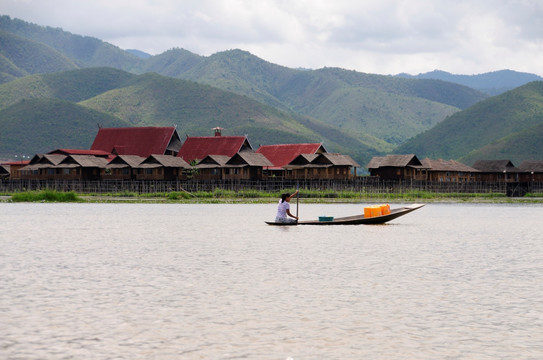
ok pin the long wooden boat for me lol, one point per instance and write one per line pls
(356, 219)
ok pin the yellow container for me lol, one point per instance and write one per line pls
(385, 209)
(372, 211)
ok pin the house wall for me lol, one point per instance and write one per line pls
(309, 173)
(159, 173)
(399, 173)
(126, 173)
(450, 176)
(498, 177)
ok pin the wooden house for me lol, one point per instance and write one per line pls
(122, 167)
(42, 167)
(531, 170)
(4, 171)
(80, 167)
(283, 154)
(246, 165)
(497, 171)
(162, 167)
(210, 167)
(397, 167)
(12, 169)
(196, 148)
(322, 166)
(140, 141)
(449, 171)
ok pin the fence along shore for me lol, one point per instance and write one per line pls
(363, 185)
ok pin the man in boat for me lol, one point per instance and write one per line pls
(283, 209)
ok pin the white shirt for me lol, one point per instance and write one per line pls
(282, 209)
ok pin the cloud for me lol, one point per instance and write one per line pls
(386, 36)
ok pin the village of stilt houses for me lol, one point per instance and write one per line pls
(148, 159)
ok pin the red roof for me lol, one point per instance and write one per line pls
(141, 141)
(282, 155)
(198, 147)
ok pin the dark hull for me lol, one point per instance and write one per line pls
(356, 219)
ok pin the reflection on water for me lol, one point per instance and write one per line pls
(143, 281)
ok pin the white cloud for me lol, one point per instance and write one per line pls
(386, 36)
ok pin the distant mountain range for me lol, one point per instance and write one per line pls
(491, 83)
(46, 71)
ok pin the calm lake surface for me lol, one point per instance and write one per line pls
(157, 281)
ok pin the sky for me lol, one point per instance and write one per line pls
(371, 36)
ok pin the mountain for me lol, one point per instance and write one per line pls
(391, 109)
(491, 83)
(20, 57)
(83, 98)
(41, 125)
(381, 109)
(355, 113)
(507, 126)
(83, 51)
(75, 85)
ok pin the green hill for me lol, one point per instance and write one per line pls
(84, 51)
(492, 83)
(391, 109)
(20, 57)
(76, 85)
(41, 125)
(524, 145)
(383, 111)
(112, 96)
(151, 99)
(487, 130)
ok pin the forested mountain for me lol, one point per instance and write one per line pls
(351, 112)
(507, 126)
(491, 83)
(42, 124)
(36, 108)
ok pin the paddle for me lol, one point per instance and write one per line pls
(297, 198)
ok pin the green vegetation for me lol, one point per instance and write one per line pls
(45, 196)
(42, 125)
(359, 114)
(508, 126)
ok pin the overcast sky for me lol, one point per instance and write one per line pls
(372, 36)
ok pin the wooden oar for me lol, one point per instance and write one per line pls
(297, 198)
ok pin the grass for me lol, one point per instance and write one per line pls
(45, 196)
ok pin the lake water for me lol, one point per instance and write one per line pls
(175, 281)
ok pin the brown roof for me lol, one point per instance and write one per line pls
(493, 166)
(154, 161)
(249, 158)
(83, 161)
(395, 161)
(213, 161)
(322, 160)
(337, 159)
(531, 166)
(303, 159)
(446, 165)
(43, 161)
(122, 161)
